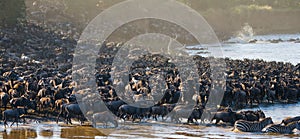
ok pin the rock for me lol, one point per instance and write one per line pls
(253, 41)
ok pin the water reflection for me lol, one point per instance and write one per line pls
(80, 132)
(148, 129)
(46, 133)
(19, 133)
(49, 130)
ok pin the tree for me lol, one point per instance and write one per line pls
(11, 11)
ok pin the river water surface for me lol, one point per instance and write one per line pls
(150, 129)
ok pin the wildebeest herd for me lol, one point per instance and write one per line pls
(45, 88)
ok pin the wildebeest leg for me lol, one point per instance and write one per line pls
(155, 117)
(60, 114)
(24, 121)
(5, 122)
(217, 121)
(78, 117)
(14, 122)
(81, 119)
(202, 121)
(196, 120)
(58, 117)
(70, 120)
(133, 118)
(122, 117)
(162, 118)
(17, 121)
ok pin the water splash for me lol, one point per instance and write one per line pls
(244, 35)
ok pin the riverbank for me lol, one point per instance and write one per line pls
(226, 17)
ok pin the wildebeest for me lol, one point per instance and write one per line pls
(159, 111)
(113, 106)
(290, 119)
(13, 93)
(254, 95)
(105, 118)
(271, 95)
(126, 111)
(69, 111)
(251, 115)
(62, 93)
(60, 102)
(292, 94)
(13, 114)
(45, 104)
(4, 98)
(196, 114)
(20, 101)
(225, 116)
(239, 97)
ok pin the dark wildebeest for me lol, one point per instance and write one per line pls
(167, 96)
(13, 113)
(4, 98)
(292, 94)
(239, 97)
(62, 93)
(225, 116)
(196, 114)
(175, 96)
(156, 111)
(113, 106)
(254, 95)
(290, 119)
(228, 96)
(21, 101)
(105, 118)
(199, 113)
(251, 115)
(271, 95)
(71, 110)
(132, 111)
(45, 92)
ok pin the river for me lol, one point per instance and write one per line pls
(288, 50)
(150, 129)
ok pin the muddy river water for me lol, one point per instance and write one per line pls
(148, 129)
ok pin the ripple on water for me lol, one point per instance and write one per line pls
(151, 129)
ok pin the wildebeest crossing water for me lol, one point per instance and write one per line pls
(34, 87)
(149, 129)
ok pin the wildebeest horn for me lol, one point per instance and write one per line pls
(259, 108)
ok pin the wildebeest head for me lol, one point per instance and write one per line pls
(260, 114)
(298, 125)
